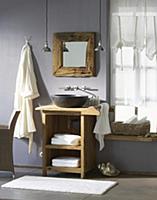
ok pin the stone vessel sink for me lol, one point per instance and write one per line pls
(69, 100)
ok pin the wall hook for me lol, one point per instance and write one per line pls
(27, 40)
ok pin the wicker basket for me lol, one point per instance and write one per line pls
(120, 128)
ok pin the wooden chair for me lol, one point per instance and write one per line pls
(6, 145)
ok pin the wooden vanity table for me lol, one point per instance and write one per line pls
(80, 121)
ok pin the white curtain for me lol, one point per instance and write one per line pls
(134, 55)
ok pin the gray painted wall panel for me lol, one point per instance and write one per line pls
(19, 18)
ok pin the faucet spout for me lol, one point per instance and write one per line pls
(85, 89)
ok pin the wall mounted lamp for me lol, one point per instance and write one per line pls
(46, 47)
(99, 46)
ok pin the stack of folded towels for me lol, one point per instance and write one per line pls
(135, 120)
(65, 161)
(65, 139)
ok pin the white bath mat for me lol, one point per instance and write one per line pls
(84, 186)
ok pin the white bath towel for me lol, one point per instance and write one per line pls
(26, 90)
(66, 139)
(65, 161)
(102, 126)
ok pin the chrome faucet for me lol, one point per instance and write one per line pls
(83, 89)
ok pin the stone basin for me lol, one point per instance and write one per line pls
(69, 100)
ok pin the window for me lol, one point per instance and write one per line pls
(135, 86)
(134, 58)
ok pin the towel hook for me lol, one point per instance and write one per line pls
(27, 40)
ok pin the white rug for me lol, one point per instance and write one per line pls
(84, 186)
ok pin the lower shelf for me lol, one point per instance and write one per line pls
(69, 147)
(64, 169)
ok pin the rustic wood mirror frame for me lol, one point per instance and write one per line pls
(82, 71)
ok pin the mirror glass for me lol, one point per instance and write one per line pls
(73, 54)
(76, 54)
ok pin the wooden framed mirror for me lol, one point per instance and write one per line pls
(73, 54)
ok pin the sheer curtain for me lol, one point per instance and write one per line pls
(134, 56)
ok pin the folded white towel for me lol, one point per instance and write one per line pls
(60, 141)
(131, 120)
(134, 120)
(102, 126)
(66, 139)
(67, 136)
(65, 161)
(142, 120)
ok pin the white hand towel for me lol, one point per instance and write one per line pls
(102, 126)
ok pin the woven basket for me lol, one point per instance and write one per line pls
(121, 128)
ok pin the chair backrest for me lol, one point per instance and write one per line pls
(13, 119)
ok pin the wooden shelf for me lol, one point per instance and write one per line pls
(130, 138)
(64, 169)
(69, 147)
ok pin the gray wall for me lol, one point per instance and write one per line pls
(20, 18)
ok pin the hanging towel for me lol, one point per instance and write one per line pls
(26, 90)
(102, 126)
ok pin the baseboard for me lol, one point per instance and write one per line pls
(129, 173)
(28, 166)
(142, 173)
